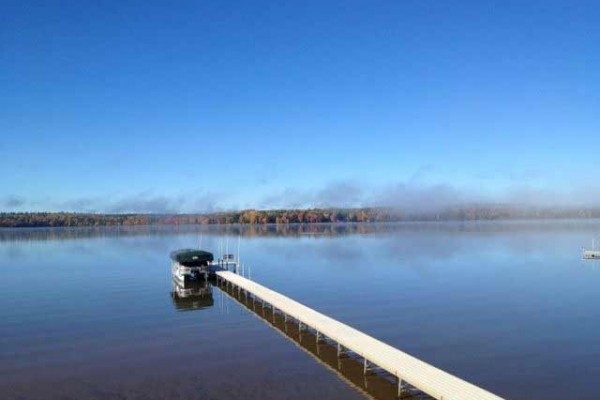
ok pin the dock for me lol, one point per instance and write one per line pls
(374, 385)
(407, 370)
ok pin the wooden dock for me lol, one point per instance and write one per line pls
(406, 368)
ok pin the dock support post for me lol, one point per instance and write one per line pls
(339, 350)
(400, 387)
(365, 366)
(273, 309)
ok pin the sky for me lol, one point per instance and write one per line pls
(195, 106)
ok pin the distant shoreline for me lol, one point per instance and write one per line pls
(292, 216)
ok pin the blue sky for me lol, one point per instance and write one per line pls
(203, 105)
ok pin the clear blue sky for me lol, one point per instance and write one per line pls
(196, 105)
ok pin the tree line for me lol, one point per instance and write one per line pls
(252, 217)
(297, 216)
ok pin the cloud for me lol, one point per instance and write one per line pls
(414, 197)
(422, 173)
(336, 194)
(86, 204)
(13, 202)
(143, 202)
(587, 196)
(340, 194)
(286, 198)
(409, 196)
(146, 203)
(207, 202)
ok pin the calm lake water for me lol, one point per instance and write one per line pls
(92, 313)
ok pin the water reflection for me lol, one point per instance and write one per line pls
(376, 384)
(484, 301)
(192, 296)
(315, 231)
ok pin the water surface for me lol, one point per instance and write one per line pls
(92, 314)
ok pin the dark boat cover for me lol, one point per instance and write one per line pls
(191, 257)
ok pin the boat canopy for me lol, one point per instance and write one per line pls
(191, 257)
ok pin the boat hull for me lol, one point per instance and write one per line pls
(184, 273)
(591, 254)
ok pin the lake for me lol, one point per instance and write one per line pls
(92, 313)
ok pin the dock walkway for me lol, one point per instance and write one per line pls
(406, 368)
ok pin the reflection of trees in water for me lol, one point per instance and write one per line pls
(316, 230)
(273, 230)
(375, 384)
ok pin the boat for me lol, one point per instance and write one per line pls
(191, 264)
(591, 254)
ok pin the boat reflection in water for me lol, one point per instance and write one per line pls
(190, 296)
(373, 383)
